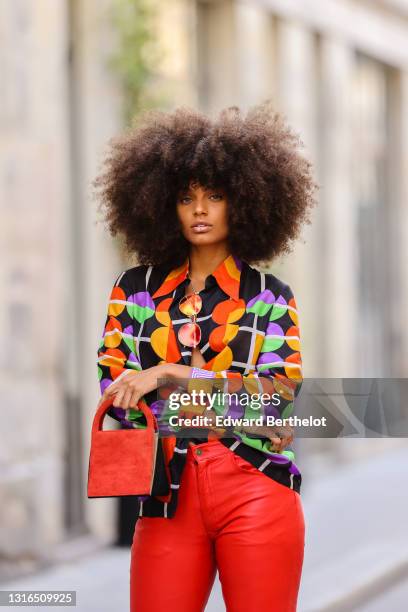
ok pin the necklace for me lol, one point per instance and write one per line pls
(192, 287)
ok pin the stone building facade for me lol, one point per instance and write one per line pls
(341, 78)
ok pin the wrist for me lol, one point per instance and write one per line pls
(176, 371)
(168, 370)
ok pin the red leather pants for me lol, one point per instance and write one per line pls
(232, 517)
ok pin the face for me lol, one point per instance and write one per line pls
(203, 215)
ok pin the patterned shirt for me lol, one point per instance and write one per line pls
(250, 343)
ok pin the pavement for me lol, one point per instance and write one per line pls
(395, 599)
(356, 552)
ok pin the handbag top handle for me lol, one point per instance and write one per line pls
(103, 408)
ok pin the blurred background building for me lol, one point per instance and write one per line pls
(338, 71)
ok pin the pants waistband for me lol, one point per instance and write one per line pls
(212, 448)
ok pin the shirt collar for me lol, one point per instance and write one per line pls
(227, 275)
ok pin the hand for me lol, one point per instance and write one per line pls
(128, 390)
(283, 437)
(280, 436)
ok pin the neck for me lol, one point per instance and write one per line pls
(205, 259)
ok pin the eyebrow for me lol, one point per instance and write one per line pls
(190, 189)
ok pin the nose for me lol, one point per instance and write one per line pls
(200, 205)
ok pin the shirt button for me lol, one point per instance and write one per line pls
(199, 451)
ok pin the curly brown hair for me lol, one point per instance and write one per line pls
(254, 158)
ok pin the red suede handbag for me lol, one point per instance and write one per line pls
(122, 461)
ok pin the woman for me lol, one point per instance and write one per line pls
(199, 201)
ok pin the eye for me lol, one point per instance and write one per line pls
(184, 199)
(217, 196)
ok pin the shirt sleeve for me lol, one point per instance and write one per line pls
(278, 372)
(117, 351)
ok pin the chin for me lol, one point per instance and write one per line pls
(202, 239)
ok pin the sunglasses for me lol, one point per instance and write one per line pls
(190, 333)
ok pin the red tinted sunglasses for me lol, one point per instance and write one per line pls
(190, 333)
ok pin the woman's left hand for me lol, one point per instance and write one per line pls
(283, 437)
(280, 436)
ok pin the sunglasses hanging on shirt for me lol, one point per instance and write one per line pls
(190, 305)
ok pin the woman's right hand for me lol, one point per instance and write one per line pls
(128, 390)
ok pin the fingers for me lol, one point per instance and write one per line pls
(126, 391)
(134, 399)
(125, 395)
(276, 442)
(279, 437)
(110, 391)
(117, 399)
(282, 438)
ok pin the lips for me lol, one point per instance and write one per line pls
(201, 228)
